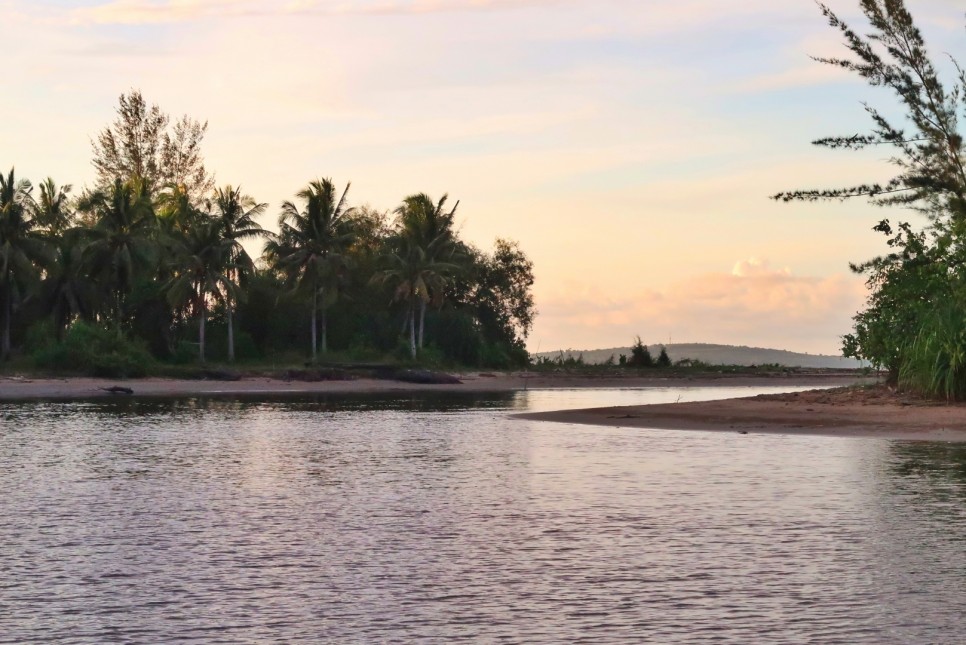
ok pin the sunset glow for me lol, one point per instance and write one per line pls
(629, 146)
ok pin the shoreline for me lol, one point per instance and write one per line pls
(838, 409)
(876, 411)
(14, 388)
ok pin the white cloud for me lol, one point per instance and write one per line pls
(757, 268)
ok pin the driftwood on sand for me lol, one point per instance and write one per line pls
(118, 389)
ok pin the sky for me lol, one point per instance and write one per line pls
(629, 146)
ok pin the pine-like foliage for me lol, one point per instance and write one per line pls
(911, 325)
(927, 148)
(140, 144)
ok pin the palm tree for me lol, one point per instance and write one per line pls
(202, 272)
(53, 209)
(416, 276)
(236, 213)
(22, 248)
(310, 247)
(175, 210)
(426, 225)
(124, 238)
(68, 291)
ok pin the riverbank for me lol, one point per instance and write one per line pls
(28, 388)
(869, 411)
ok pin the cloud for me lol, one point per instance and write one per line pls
(167, 11)
(795, 77)
(753, 305)
(647, 17)
(755, 268)
(161, 11)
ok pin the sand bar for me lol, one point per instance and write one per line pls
(15, 388)
(845, 412)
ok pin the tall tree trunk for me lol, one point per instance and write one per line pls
(422, 321)
(201, 332)
(7, 312)
(62, 324)
(412, 330)
(325, 330)
(231, 331)
(117, 309)
(315, 307)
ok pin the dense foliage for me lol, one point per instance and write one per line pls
(915, 322)
(153, 263)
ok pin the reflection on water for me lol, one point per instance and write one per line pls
(408, 518)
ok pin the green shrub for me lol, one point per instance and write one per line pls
(502, 355)
(431, 356)
(185, 353)
(457, 334)
(360, 350)
(934, 362)
(40, 335)
(95, 351)
(402, 351)
(216, 348)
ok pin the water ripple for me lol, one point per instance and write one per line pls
(437, 520)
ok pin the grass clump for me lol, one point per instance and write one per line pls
(934, 362)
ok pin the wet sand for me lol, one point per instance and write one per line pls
(27, 388)
(875, 411)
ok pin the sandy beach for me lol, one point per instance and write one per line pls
(27, 388)
(840, 408)
(877, 411)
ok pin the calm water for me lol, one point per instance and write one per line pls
(436, 520)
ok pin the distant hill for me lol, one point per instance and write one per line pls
(718, 355)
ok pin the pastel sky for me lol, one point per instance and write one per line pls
(628, 145)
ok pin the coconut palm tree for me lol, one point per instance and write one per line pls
(54, 214)
(22, 249)
(175, 211)
(425, 221)
(68, 290)
(202, 271)
(123, 240)
(426, 225)
(310, 246)
(416, 277)
(236, 213)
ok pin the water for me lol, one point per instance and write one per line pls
(414, 519)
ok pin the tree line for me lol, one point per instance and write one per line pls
(155, 255)
(914, 325)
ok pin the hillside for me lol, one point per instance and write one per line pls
(718, 355)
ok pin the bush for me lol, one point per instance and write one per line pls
(40, 336)
(185, 353)
(403, 352)
(216, 348)
(431, 356)
(640, 356)
(663, 360)
(361, 350)
(457, 335)
(934, 362)
(95, 351)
